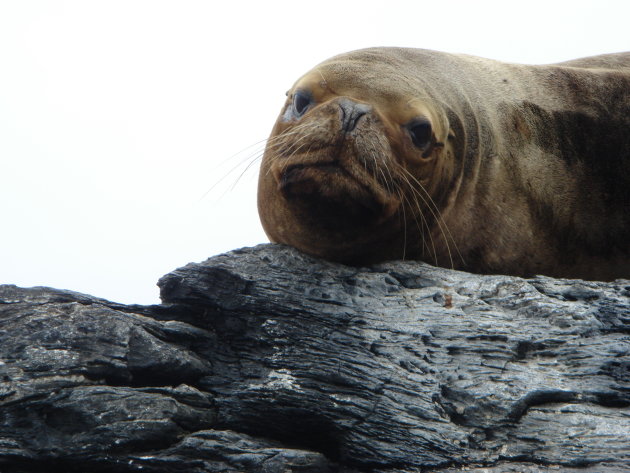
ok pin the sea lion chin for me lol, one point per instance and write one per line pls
(463, 162)
(331, 196)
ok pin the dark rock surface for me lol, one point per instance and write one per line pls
(266, 360)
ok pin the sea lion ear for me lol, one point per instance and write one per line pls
(420, 132)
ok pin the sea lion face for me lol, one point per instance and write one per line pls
(351, 163)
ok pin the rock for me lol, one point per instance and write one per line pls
(267, 360)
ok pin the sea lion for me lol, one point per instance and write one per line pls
(460, 161)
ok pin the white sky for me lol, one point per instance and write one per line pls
(116, 117)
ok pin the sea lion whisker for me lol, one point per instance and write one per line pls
(249, 165)
(280, 140)
(287, 163)
(231, 157)
(404, 221)
(425, 223)
(291, 150)
(249, 160)
(376, 165)
(393, 187)
(385, 181)
(294, 130)
(273, 155)
(437, 214)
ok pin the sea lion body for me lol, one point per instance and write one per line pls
(463, 162)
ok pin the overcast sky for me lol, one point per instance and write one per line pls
(125, 125)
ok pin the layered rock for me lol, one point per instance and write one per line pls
(267, 360)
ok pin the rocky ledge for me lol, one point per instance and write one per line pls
(267, 360)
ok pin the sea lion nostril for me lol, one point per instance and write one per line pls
(351, 112)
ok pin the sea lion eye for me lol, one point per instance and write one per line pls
(301, 101)
(420, 132)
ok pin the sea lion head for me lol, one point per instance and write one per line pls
(464, 162)
(355, 164)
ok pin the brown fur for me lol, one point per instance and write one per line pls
(526, 170)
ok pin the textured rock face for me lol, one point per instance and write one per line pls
(266, 360)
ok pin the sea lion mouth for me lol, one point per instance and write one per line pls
(329, 193)
(303, 178)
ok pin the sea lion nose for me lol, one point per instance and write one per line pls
(351, 112)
